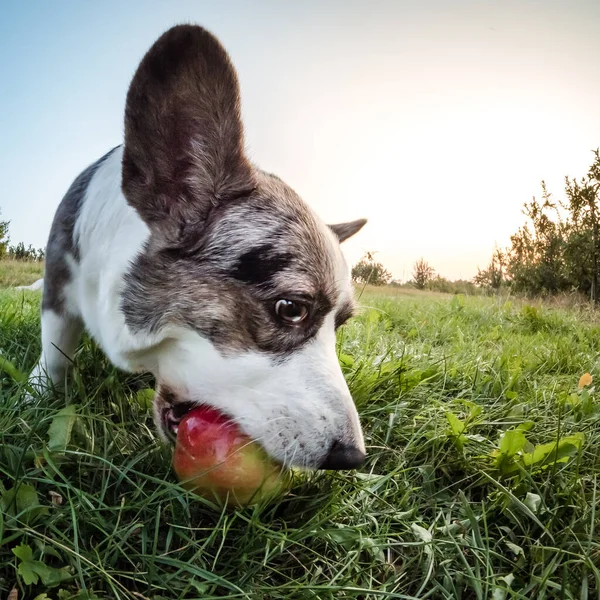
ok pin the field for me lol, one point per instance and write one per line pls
(19, 272)
(481, 480)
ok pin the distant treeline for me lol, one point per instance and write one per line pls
(369, 271)
(18, 252)
(445, 286)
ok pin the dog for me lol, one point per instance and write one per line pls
(183, 259)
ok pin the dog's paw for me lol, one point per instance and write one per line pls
(33, 391)
(37, 385)
(28, 397)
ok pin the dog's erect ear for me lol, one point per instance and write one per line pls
(346, 230)
(184, 141)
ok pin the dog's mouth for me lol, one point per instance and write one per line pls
(172, 415)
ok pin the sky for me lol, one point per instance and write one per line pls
(434, 119)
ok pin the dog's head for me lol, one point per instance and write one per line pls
(247, 284)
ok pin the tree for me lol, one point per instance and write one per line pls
(368, 271)
(558, 248)
(582, 203)
(4, 239)
(20, 252)
(492, 278)
(423, 273)
(535, 259)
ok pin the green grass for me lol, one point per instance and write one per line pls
(481, 480)
(19, 272)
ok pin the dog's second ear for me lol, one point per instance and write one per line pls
(184, 141)
(346, 230)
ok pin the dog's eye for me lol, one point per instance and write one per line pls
(291, 311)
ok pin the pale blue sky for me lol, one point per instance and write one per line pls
(436, 119)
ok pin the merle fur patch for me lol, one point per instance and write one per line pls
(227, 289)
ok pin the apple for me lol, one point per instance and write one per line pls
(217, 461)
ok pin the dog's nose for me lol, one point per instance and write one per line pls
(343, 457)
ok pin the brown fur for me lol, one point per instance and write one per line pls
(184, 146)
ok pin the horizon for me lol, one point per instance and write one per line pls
(435, 122)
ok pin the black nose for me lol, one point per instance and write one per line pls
(343, 457)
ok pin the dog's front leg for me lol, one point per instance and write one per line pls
(60, 336)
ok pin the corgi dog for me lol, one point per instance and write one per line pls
(182, 258)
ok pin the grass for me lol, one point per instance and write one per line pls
(19, 272)
(481, 480)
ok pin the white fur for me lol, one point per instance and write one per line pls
(110, 235)
(36, 285)
(60, 336)
(296, 408)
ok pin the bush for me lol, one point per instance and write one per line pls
(19, 252)
(423, 273)
(4, 239)
(368, 271)
(445, 286)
